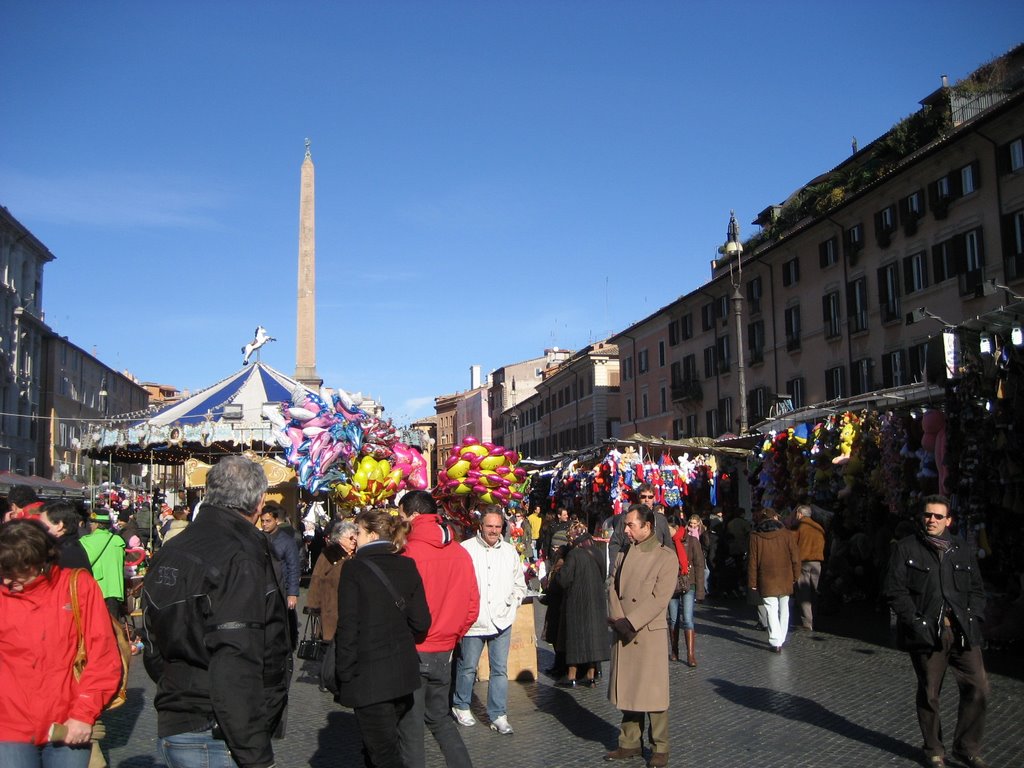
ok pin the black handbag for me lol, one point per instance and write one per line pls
(312, 645)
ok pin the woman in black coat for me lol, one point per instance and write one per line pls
(377, 667)
(583, 623)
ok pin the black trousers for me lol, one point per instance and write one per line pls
(969, 670)
(378, 724)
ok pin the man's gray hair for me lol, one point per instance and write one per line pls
(236, 483)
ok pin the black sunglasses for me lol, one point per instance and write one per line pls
(933, 516)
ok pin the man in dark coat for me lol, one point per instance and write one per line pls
(216, 626)
(286, 550)
(935, 590)
(620, 540)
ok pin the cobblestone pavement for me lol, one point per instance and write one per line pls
(839, 697)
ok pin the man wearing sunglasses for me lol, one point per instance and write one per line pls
(935, 589)
(618, 540)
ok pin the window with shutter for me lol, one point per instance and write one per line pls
(792, 319)
(943, 261)
(830, 315)
(755, 341)
(710, 362)
(889, 292)
(835, 383)
(894, 369)
(828, 253)
(791, 272)
(1016, 155)
(723, 355)
(857, 305)
(915, 272)
(707, 313)
(1013, 243)
(795, 390)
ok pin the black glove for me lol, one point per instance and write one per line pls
(623, 629)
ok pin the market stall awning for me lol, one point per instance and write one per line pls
(42, 486)
(686, 445)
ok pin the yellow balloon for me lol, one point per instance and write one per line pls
(360, 478)
(492, 462)
(487, 498)
(479, 450)
(459, 469)
(462, 489)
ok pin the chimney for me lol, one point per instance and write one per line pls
(945, 81)
(474, 376)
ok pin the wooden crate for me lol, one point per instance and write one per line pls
(522, 652)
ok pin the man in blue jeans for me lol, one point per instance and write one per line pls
(449, 584)
(499, 577)
(216, 625)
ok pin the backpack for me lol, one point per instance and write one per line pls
(123, 646)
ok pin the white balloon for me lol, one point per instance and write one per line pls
(273, 414)
(301, 414)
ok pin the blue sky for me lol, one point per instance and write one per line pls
(493, 178)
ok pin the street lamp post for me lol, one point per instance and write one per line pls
(732, 248)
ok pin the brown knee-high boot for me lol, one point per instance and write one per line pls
(691, 658)
(674, 654)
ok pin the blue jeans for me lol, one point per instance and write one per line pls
(682, 607)
(497, 688)
(15, 754)
(430, 707)
(197, 749)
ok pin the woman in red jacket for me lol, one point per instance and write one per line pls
(46, 715)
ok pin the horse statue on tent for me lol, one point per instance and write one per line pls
(262, 337)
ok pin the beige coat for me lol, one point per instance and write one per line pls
(639, 672)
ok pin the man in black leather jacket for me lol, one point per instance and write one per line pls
(217, 628)
(935, 589)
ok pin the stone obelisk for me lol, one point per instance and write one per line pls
(305, 330)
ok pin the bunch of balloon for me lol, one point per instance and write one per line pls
(320, 439)
(481, 473)
(413, 466)
(372, 483)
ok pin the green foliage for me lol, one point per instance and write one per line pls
(906, 137)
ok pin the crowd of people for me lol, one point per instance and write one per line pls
(405, 603)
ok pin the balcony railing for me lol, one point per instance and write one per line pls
(687, 390)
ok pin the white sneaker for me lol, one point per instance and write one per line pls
(463, 717)
(501, 725)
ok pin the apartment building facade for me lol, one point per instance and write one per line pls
(573, 409)
(824, 299)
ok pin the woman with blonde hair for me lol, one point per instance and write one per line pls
(382, 614)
